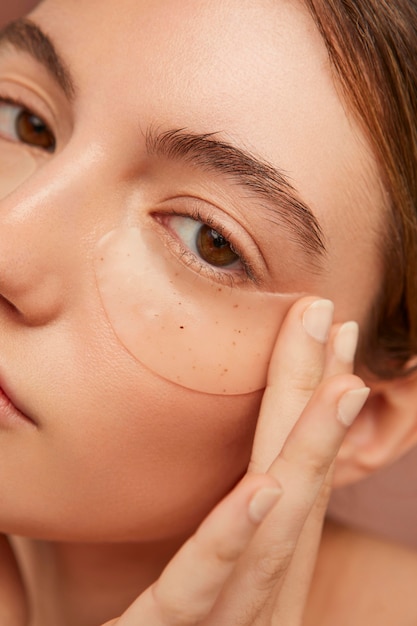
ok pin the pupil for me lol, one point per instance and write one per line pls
(38, 125)
(218, 240)
(33, 131)
(214, 248)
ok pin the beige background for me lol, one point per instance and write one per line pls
(9, 9)
(385, 503)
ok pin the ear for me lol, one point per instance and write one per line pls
(385, 430)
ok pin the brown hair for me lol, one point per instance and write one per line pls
(372, 46)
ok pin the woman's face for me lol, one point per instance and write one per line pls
(112, 193)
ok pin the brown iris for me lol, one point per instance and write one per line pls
(34, 132)
(214, 248)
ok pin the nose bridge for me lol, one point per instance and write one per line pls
(41, 229)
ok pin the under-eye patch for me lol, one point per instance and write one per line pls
(184, 327)
(16, 166)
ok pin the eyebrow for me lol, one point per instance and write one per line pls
(26, 36)
(260, 178)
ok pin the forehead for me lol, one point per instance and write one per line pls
(210, 55)
(257, 71)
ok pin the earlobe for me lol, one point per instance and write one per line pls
(384, 431)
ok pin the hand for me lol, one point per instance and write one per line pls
(240, 568)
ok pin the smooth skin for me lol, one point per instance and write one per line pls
(122, 465)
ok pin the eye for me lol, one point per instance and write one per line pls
(18, 124)
(205, 242)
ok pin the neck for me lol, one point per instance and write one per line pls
(90, 584)
(85, 584)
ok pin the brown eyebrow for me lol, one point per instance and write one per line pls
(202, 150)
(255, 175)
(26, 36)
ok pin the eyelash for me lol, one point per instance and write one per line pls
(31, 110)
(228, 277)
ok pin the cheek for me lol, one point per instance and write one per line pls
(168, 457)
(128, 456)
(181, 452)
(195, 332)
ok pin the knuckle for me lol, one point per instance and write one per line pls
(310, 465)
(323, 496)
(173, 611)
(256, 466)
(316, 467)
(224, 550)
(227, 554)
(306, 377)
(271, 567)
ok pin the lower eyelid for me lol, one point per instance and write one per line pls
(224, 276)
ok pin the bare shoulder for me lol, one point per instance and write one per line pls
(363, 580)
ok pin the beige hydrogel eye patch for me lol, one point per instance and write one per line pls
(16, 166)
(186, 328)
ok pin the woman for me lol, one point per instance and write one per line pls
(180, 181)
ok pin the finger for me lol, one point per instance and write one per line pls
(188, 587)
(295, 569)
(340, 353)
(314, 441)
(306, 460)
(295, 589)
(341, 348)
(302, 467)
(295, 370)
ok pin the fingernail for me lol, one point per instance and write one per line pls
(350, 405)
(345, 342)
(317, 319)
(262, 502)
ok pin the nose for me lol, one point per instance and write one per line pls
(40, 241)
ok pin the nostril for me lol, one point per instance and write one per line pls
(34, 304)
(9, 306)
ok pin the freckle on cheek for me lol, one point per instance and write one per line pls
(181, 325)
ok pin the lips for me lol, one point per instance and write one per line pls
(11, 413)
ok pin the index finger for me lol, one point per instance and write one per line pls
(295, 370)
